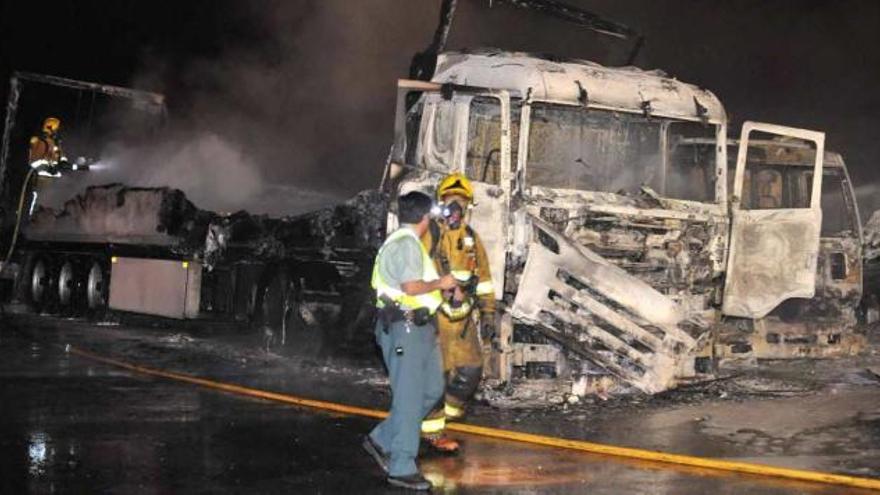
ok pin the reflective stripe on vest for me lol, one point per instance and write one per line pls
(430, 300)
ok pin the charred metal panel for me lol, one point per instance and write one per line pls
(773, 252)
(343, 230)
(164, 217)
(777, 337)
(628, 89)
(775, 260)
(491, 226)
(871, 235)
(118, 214)
(839, 275)
(601, 312)
(679, 252)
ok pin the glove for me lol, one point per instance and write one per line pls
(487, 326)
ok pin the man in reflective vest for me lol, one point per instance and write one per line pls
(407, 294)
(457, 250)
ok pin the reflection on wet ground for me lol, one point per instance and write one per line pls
(70, 425)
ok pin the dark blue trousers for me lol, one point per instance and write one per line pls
(415, 368)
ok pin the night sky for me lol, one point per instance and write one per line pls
(306, 88)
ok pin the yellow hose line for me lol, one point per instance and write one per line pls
(561, 443)
(18, 215)
(236, 389)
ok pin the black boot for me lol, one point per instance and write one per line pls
(413, 481)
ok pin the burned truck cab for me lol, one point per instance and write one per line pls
(616, 248)
(780, 173)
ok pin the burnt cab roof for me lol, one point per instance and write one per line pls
(574, 82)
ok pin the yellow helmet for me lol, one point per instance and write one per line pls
(455, 183)
(51, 125)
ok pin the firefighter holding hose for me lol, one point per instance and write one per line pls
(45, 153)
(467, 310)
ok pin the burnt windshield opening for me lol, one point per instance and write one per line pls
(597, 150)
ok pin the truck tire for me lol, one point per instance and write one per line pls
(71, 287)
(284, 321)
(97, 284)
(41, 281)
(357, 321)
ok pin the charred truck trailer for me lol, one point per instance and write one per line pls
(151, 251)
(621, 237)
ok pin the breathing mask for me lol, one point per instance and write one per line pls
(451, 213)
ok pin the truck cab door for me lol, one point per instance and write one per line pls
(488, 166)
(774, 239)
(471, 135)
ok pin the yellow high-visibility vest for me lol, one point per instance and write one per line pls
(430, 300)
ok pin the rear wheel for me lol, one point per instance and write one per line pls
(38, 279)
(97, 285)
(42, 281)
(71, 287)
(285, 322)
(66, 284)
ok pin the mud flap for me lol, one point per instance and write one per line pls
(598, 311)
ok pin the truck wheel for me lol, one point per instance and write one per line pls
(270, 312)
(284, 322)
(357, 321)
(304, 334)
(65, 284)
(70, 285)
(42, 282)
(97, 284)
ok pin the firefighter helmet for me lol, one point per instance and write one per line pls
(455, 183)
(51, 125)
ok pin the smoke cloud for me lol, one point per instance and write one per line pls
(303, 91)
(213, 172)
(304, 97)
(308, 103)
(295, 113)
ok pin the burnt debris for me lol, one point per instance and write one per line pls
(164, 219)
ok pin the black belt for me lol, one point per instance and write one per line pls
(392, 314)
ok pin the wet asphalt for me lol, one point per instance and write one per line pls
(70, 425)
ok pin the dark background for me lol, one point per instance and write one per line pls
(303, 91)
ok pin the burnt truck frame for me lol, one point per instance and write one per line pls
(300, 281)
(824, 325)
(610, 256)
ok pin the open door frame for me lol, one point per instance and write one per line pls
(773, 252)
(493, 200)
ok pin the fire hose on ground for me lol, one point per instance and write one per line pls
(718, 465)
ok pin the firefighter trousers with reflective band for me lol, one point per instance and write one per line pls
(415, 370)
(463, 367)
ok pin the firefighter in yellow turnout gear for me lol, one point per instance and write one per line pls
(457, 250)
(44, 157)
(45, 151)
